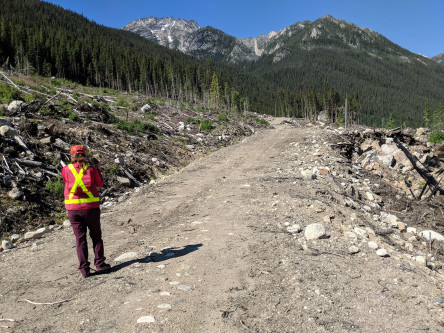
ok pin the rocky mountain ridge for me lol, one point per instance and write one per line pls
(439, 58)
(188, 37)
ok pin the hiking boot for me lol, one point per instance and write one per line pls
(103, 268)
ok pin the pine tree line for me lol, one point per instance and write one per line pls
(40, 38)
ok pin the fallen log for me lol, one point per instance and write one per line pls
(130, 176)
(12, 83)
(421, 169)
(19, 140)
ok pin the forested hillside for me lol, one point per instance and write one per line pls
(331, 52)
(40, 38)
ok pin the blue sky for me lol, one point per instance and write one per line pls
(417, 25)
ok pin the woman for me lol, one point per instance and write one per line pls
(82, 201)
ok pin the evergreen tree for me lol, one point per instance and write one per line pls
(427, 116)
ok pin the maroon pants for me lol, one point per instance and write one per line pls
(80, 221)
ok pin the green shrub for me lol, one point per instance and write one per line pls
(135, 126)
(149, 116)
(73, 116)
(222, 117)
(261, 121)
(206, 125)
(114, 169)
(192, 121)
(8, 93)
(56, 187)
(437, 137)
(121, 102)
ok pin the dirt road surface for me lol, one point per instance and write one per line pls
(207, 250)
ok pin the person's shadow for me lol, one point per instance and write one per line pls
(165, 254)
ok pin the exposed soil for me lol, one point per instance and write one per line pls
(213, 254)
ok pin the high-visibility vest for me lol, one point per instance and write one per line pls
(79, 182)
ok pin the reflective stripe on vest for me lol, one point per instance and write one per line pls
(77, 183)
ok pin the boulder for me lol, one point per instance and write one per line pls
(389, 149)
(432, 235)
(8, 131)
(124, 181)
(15, 106)
(127, 256)
(402, 159)
(145, 108)
(35, 234)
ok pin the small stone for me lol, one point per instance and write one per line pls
(351, 235)
(6, 245)
(45, 141)
(409, 247)
(382, 253)
(315, 231)
(127, 256)
(370, 196)
(295, 228)
(438, 300)
(15, 238)
(165, 293)
(373, 245)
(119, 160)
(307, 174)
(66, 223)
(411, 230)
(401, 226)
(389, 218)
(421, 260)
(360, 232)
(323, 171)
(15, 194)
(146, 319)
(184, 287)
(164, 306)
(353, 249)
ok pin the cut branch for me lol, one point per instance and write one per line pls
(50, 303)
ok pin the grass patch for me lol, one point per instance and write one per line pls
(8, 93)
(149, 116)
(192, 121)
(121, 102)
(437, 137)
